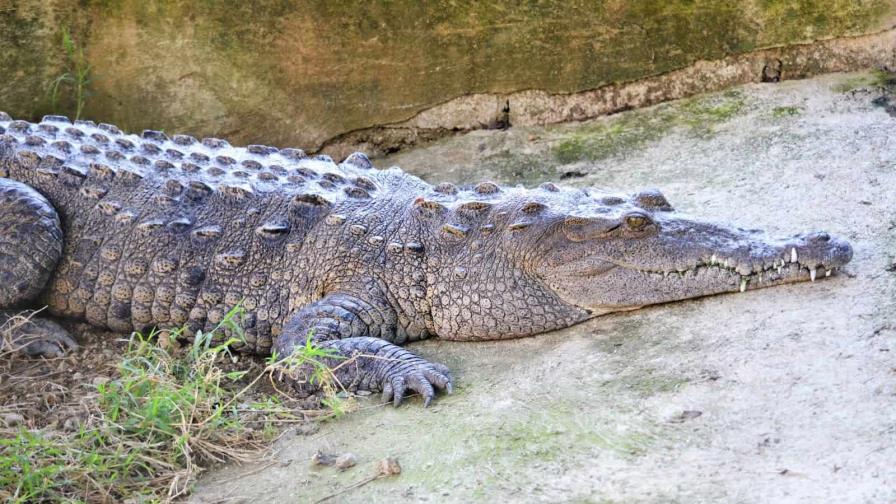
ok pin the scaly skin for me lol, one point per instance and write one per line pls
(131, 232)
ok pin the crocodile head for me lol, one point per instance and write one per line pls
(612, 253)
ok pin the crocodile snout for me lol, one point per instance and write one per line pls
(817, 250)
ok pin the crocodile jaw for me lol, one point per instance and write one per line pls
(689, 259)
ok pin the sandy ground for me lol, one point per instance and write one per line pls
(776, 395)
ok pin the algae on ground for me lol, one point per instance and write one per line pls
(627, 132)
(541, 431)
(609, 138)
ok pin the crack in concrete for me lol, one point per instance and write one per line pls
(535, 107)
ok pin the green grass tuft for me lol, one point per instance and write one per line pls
(76, 78)
(152, 430)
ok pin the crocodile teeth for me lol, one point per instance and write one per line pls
(793, 254)
(713, 260)
(827, 273)
(743, 284)
(812, 274)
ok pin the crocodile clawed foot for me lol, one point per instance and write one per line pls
(417, 375)
(37, 337)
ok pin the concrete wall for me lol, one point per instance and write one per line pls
(301, 73)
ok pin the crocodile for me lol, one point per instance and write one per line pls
(133, 232)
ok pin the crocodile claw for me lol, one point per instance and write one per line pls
(42, 338)
(418, 376)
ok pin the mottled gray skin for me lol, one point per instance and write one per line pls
(131, 232)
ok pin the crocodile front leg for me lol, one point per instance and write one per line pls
(30, 246)
(343, 324)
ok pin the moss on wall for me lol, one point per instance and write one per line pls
(291, 72)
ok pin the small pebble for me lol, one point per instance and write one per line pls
(346, 460)
(100, 380)
(321, 458)
(388, 466)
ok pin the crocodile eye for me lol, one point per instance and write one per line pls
(636, 221)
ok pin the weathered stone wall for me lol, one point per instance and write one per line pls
(303, 73)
